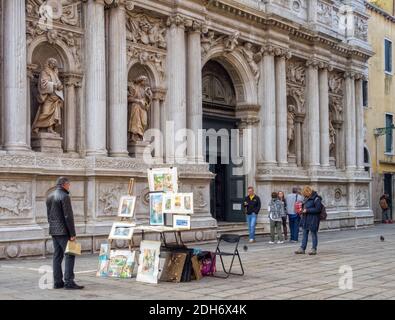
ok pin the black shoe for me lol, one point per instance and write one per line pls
(73, 286)
(58, 285)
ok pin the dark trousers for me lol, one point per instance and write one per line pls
(59, 245)
(306, 237)
(284, 221)
(294, 227)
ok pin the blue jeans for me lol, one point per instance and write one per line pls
(306, 237)
(294, 227)
(251, 221)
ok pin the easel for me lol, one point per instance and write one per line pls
(124, 219)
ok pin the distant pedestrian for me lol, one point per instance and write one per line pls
(276, 212)
(385, 208)
(281, 197)
(293, 216)
(62, 230)
(310, 221)
(252, 205)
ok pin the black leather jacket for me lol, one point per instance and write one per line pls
(60, 213)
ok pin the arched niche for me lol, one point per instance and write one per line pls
(37, 60)
(218, 91)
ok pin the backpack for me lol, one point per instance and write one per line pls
(323, 214)
(298, 205)
(383, 204)
(276, 210)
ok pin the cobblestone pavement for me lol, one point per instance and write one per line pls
(272, 272)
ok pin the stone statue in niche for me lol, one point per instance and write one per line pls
(290, 126)
(139, 98)
(50, 99)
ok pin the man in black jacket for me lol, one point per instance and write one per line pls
(252, 205)
(62, 229)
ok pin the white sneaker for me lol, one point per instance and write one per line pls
(271, 242)
(280, 242)
(251, 241)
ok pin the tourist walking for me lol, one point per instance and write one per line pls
(252, 205)
(385, 205)
(62, 230)
(281, 197)
(293, 217)
(276, 212)
(310, 221)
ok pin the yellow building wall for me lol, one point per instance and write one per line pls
(381, 100)
(381, 90)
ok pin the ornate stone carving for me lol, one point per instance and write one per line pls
(251, 58)
(198, 198)
(362, 198)
(231, 42)
(50, 99)
(361, 28)
(296, 73)
(146, 30)
(297, 93)
(15, 200)
(144, 56)
(71, 40)
(47, 12)
(324, 13)
(335, 83)
(336, 107)
(139, 98)
(109, 200)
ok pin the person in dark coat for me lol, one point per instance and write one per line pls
(252, 206)
(310, 221)
(62, 229)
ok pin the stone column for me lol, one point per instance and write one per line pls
(176, 75)
(70, 114)
(324, 115)
(156, 112)
(313, 114)
(349, 121)
(15, 76)
(281, 110)
(267, 100)
(95, 82)
(298, 138)
(359, 122)
(194, 92)
(117, 82)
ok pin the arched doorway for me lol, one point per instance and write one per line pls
(219, 118)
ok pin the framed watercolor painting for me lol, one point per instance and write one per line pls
(126, 206)
(163, 179)
(156, 212)
(181, 221)
(121, 264)
(178, 203)
(122, 231)
(148, 269)
(102, 269)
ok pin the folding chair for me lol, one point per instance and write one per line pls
(229, 238)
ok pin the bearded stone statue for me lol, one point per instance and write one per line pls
(50, 99)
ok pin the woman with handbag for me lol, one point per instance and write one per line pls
(310, 221)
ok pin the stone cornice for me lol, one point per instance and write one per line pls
(296, 30)
(380, 11)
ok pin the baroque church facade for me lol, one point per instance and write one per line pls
(286, 73)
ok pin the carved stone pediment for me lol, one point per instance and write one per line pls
(47, 12)
(146, 30)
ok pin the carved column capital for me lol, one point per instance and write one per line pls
(283, 53)
(313, 63)
(127, 4)
(177, 20)
(325, 65)
(159, 94)
(72, 80)
(196, 26)
(349, 74)
(268, 49)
